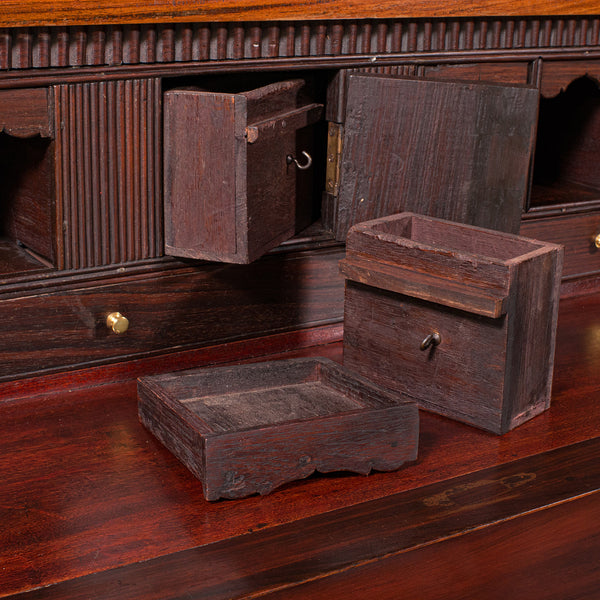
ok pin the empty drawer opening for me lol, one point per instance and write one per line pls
(568, 144)
(26, 240)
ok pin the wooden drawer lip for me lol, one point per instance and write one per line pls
(488, 302)
(451, 275)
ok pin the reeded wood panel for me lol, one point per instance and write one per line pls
(108, 172)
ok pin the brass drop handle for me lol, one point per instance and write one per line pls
(433, 339)
(289, 159)
(117, 323)
(597, 241)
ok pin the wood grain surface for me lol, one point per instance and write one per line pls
(177, 309)
(70, 12)
(413, 145)
(86, 488)
(248, 429)
(517, 512)
(492, 370)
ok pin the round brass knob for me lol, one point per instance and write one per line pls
(597, 241)
(117, 323)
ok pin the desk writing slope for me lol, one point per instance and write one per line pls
(453, 150)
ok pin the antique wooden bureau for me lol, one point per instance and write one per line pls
(94, 292)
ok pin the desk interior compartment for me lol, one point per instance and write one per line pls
(27, 236)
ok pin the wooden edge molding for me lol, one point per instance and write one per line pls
(30, 13)
(175, 361)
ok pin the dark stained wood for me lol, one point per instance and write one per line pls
(349, 546)
(176, 47)
(230, 193)
(577, 232)
(108, 172)
(94, 491)
(492, 297)
(500, 72)
(14, 259)
(249, 429)
(560, 197)
(85, 12)
(550, 554)
(568, 134)
(171, 310)
(558, 75)
(25, 113)
(325, 336)
(26, 210)
(414, 145)
(96, 196)
(85, 489)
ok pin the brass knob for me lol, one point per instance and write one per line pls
(117, 323)
(597, 241)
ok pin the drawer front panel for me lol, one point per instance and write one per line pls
(188, 308)
(501, 72)
(577, 233)
(463, 375)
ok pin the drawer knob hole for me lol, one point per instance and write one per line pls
(433, 339)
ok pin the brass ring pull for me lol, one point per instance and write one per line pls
(433, 339)
(289, 159)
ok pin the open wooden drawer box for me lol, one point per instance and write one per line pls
(462, 319)
(250, 428)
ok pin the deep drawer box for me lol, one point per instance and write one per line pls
(461, 318)
(230, 176)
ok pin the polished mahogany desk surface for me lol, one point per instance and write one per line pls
(93, 506)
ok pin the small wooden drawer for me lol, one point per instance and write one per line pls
(248, 429)
(461, 318)
(233, 163)
(578, 233)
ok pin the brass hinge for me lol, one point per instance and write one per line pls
(334, 152)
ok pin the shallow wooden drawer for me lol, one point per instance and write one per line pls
(577, 233)
(247, 429)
